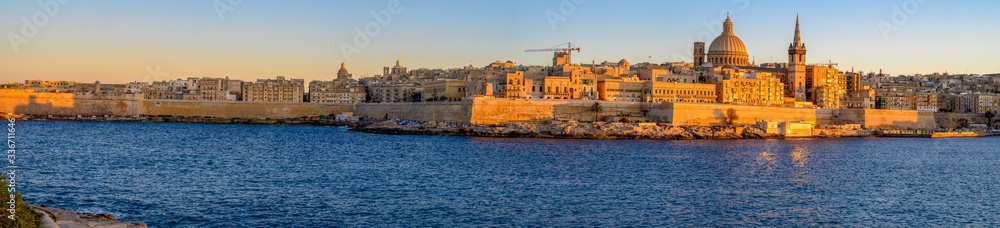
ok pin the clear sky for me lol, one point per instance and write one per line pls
(118, 41)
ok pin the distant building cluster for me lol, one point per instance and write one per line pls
(722, 72)
(193, 88)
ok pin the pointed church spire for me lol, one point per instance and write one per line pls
(798, 35)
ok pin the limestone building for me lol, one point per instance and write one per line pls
(906, 100)
(212, 89)
(445, 90)
(342, 90)
(761, 91)
(392, 93)
(620, 89)
(825, 86)
(860, 98)
(657, 92)
(274, 90)
(511, 85)
(49, 86)
(978, 103)
(557, 87)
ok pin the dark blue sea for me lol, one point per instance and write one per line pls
(210, 175)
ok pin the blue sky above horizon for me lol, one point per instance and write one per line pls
(121, 41)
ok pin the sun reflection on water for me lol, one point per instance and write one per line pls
(767, 157)
(799, 157)
(800, 173)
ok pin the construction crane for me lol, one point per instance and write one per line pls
(559, 51)
(828, 63)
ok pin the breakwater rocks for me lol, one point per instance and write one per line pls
(568, 129)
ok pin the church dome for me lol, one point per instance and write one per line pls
(342, 73)
(728, 49)
(343, 69)
(727, 43)
(623, 62)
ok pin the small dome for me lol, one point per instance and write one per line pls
(623, 62)
(343, 68)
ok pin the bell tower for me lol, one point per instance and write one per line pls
(795, 84)
(699, 53)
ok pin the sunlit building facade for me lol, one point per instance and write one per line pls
(825, 86)
(679, 92)
(274, 90)
(623, 89)
(763, 91)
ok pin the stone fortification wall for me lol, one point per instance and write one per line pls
(68, 104)
(455, 111)
(715, 114)
(955, 120)
(883, 118)
(500, 111)
(65, 104)
(241, 109)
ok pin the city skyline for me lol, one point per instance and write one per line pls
(161, 40)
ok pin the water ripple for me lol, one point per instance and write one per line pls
(204, 175)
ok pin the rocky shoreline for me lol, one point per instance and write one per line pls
(570, 129)
(62, 218)
(185, 119)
